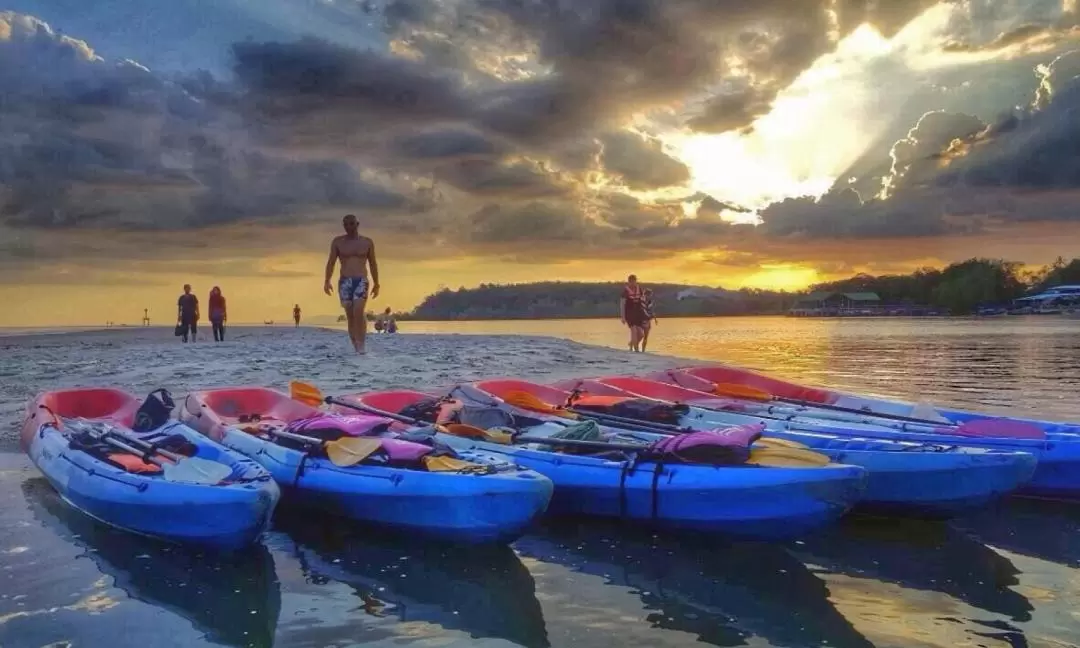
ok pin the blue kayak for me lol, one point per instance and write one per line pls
(62, 436)
(1057, 451)
(748, 501)
(925, 479)
(495, 506)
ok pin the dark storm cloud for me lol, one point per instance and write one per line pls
(522, 179)
(87, 143)
(641, 162)
(539, 222)
(314, 81)
(445, 144)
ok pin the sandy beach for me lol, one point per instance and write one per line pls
(144, 359)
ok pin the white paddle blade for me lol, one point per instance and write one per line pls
(196, 471)
(927, 412)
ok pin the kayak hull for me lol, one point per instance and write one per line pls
(458, 508)
(1057, 473)
(744, 501)
(461, 508)
(921, 479)
(226, 517)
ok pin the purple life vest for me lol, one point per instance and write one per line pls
(722, 446)
(347, 425)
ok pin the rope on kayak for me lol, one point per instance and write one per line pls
(655, 491)
(300, 469)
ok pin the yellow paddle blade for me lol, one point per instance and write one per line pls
(351, 451)
(448, 464)
(783, 443)
(465, 431)
(499, 436)
(788, 457)
(741, 391)
(527, 401)
(305, 393)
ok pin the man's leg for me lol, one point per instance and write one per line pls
(349, 326)
(360, 324)
(193, 330)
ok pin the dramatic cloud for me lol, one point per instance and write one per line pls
(641, 162)
(536, 128)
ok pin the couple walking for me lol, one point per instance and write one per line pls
(187, 314)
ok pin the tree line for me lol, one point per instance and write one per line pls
(959, 288)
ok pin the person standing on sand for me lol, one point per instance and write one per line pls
(187, 313)
(632, 311)
(650, 317)
(296, 315)
(356, 254)
(216, 304)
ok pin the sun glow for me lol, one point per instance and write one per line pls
(816, 129)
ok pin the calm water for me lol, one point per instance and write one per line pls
(1005, 577)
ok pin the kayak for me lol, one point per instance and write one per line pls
(741, 500)
(867, 404)
(916, 478)
(396, 486)
(1056, 447)
(76, 438)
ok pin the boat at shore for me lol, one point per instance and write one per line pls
(920, 479)
(398, 485)
(765, 502)
(171, 483)
(1055, 444)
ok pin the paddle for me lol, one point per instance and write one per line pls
(344, 452)
(979, 428)
(179, 469)
(524, 400)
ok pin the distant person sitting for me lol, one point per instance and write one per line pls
(217, 313)
(296, 315)
(650, 317)
(632, 311)
(385, 322)
(187, 314)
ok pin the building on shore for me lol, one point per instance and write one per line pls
(853, 304)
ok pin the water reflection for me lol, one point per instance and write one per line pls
(485, 592)
(1041, 529)
(725, 594)
(920, 555)
(233, 599)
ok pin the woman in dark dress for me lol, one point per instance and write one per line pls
(632, 311)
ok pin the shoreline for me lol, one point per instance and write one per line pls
(26, 331)
(141, 359)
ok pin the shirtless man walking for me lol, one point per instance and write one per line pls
(356, 254)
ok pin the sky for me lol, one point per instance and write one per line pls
(734, 143)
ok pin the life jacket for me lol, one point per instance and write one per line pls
(132, 463)
(730, 446)
(333, 426)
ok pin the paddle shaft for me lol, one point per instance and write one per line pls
(126, 448)
(522, 439)
(149, 446)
